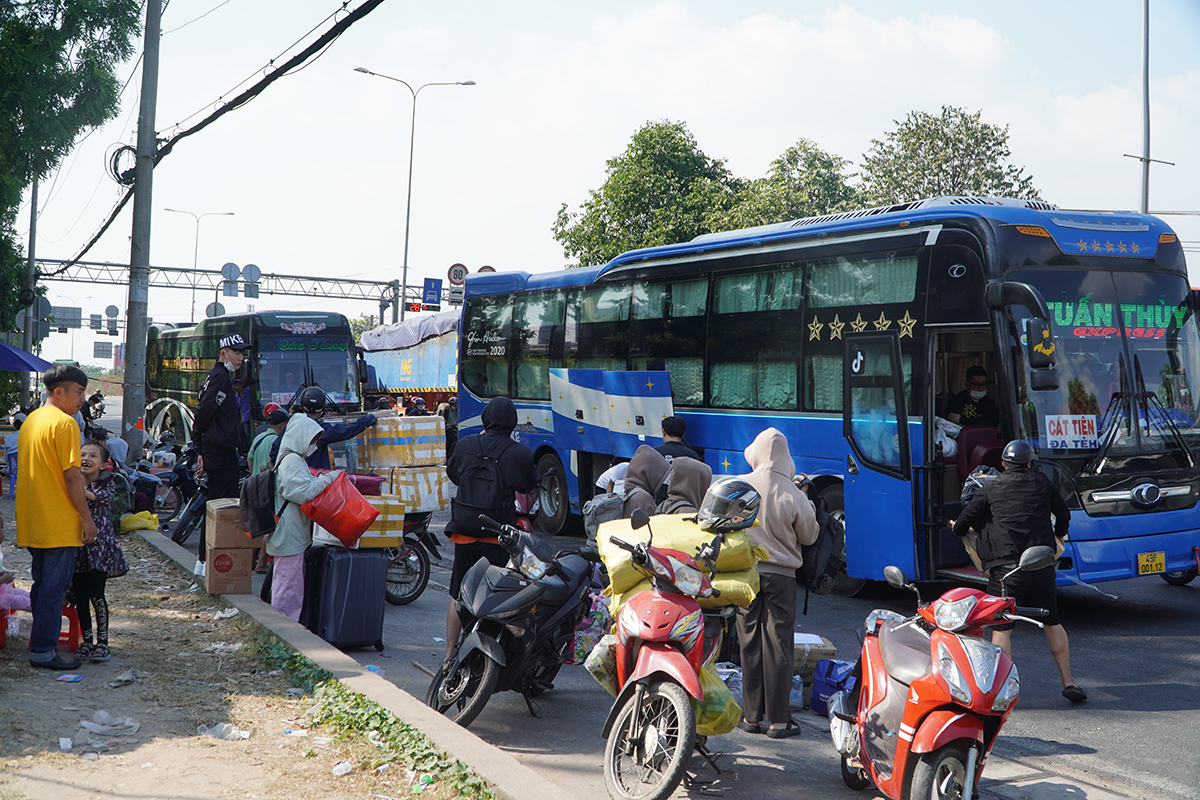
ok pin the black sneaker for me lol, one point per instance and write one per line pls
(57, 663)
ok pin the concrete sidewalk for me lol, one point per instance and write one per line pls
(1004, 778)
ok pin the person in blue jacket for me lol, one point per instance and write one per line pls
(312, 403)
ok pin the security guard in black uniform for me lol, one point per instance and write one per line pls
(1013, 513)
(217, 428)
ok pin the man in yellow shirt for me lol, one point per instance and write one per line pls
(53, 520)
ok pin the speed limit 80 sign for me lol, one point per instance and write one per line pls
(457, 274)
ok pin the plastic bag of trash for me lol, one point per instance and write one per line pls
(602, 663)
(222, 731)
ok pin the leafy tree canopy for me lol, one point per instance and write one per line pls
(661, 190)
(803, 182)
(951, 153)
(57, 63)
(361, 324)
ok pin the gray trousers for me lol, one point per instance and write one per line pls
(765, 634)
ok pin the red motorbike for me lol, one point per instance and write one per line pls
(932, 694)
(663, 639)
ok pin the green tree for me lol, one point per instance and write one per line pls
(661, 190)
(57, 77)
(803, 182)
(360, 325)
(934, 155)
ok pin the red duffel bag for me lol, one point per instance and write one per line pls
(341, 510)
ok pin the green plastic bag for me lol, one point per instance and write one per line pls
(718, 712)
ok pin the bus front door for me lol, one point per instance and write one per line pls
(878, 488)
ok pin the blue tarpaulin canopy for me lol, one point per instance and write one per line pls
(14, 359)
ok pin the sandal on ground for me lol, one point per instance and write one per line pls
(83, 652)
(749, 727)
(792, 729)
(99, 654)
(1074, 693)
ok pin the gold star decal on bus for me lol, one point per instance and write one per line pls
(725, 463)
(1134, 248)
(835, 328)
(814, 329)
(883, 323)
(1121, 246)
(906, 325)
(1108, 246)
(858, 325)
(649, 384)
(1082, 245)
(1096, 246)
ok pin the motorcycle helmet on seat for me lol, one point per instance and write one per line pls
(730, 504)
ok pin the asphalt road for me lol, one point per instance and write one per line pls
(1135, 655)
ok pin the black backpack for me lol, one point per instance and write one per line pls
(481, 490)
(256, 504)
(824, 558)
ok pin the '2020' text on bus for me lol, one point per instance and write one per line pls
(289, 350)
(851, 333)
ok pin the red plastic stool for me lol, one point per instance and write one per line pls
(4, 614)
(73, 636)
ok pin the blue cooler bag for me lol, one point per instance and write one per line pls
(829, 677)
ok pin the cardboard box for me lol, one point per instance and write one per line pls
(420, 488)
(223, 526)
(386, 531)
(227, 570)
(808, 649)
(401, 442)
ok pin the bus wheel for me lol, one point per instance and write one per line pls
(553, 497)
(832, 497)
(1181, 578)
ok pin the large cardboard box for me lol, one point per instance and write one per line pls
(808, 649)
(386, 531)
(223, 526)
(227, 570)
(420, 488)
(402, 442)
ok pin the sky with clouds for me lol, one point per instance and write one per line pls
(315, 169)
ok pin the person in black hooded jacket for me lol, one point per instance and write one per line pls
(518, 474)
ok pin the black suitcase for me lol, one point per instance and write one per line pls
(346, 599)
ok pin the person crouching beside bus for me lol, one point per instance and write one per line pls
(295, 485)
(217, 427)
(787, 522)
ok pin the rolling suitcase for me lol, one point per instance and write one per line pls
(348, 598)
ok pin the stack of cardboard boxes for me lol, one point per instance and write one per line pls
(230, 549)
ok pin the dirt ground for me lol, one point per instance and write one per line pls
(161, 626)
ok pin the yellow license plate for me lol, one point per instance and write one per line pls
(1150, 563)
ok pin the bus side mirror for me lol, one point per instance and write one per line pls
(363, 375)
(1040, 350)
(1043, 380)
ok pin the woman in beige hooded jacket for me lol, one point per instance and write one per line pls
(646, 471)
(786, 521)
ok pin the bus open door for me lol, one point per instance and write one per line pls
(880, 527)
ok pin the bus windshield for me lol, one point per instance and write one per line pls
(288, 363)
(1128, 352)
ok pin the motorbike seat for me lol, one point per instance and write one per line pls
(905, 651)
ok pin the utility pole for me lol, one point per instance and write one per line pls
(134, 407)
(1145, 106)
(30, 276)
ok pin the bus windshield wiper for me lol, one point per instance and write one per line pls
(1150, 399)
(1112, 433)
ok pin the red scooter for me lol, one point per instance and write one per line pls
(932, 695)
(663, 639)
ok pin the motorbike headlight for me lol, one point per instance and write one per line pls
(956, 682)
(1012, 688)
(952, 616)
(628, 623)
(985, 660)
(687, 579)
(532, 567)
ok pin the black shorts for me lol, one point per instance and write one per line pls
(1029, 589)
(468, 555)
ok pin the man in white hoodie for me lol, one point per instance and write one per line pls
(787, 521)
(295, 485)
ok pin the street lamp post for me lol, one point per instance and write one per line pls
(411, 142)
(196, 249)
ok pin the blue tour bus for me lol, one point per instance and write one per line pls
(835, 329)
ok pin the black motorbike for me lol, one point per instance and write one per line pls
(192, 518)
(518, 623)
(178, 487)
(408, 570)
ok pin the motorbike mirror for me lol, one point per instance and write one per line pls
(895, 577)
(1035, 558)
(639, 519)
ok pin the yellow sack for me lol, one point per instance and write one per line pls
(141, 521)
(673, 532)
(737, 589)
(718, 713)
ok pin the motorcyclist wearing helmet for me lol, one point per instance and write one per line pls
(313, 402)
(1012, 512)
(787, 522)
(417, 408)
